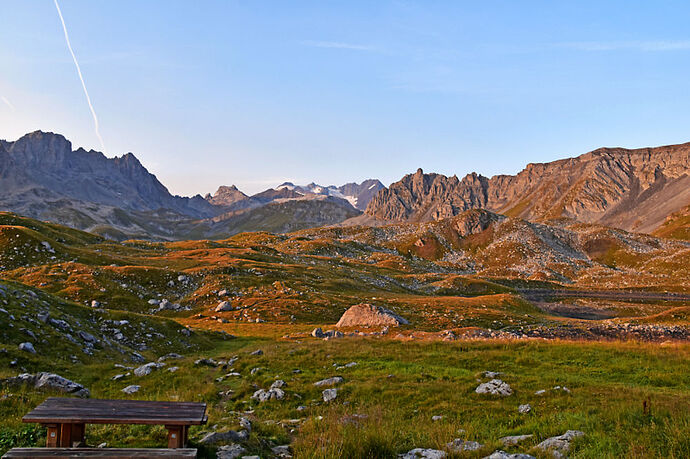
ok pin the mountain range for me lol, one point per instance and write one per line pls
(42, 177)
(635, 190)
(643, 190)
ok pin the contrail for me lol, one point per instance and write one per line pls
(7, 102)
(83, 85)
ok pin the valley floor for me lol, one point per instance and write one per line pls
(388, 400)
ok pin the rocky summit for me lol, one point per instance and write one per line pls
(635, 190)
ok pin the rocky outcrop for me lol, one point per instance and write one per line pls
(368, 315)
(50, 382)
(629, 189)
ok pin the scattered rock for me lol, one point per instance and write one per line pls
(88, 337)
(262, 395)
(329, 381)
(131, 389)
(524, 409)
(366, 314)
(329, 394)
(514, 439)
(423, 453)
(494, 387)
(230, 452)
(318, 333)
(27, 347)
(172, 355)
(257, 352)
(50, 381)
(459, 445)
(148, 368)
(246, 424)
(223, 306)
(282, 451)
(503, 455)
(224, 437)
(436, 418)
(491, 374)
(95, 304)
(277, 384)
(206, 362)
(559, 445)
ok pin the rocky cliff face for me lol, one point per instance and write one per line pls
(629, 189)
(44, 164)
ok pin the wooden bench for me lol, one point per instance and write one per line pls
(112, 453)
(66, 418)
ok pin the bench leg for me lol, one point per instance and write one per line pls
(53, 435)
(176, 436)
(78, 437)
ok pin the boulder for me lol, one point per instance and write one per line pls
(27, 347)
(503, 455)
(148, 368)
(458, 445)
(281, 451)
(524, 409)
(423, 453)
(224, 437)
(50, 381)
(277, 384)
(494, 387)
(559, 446)
(368, 315)
(329, 395)
(223, 306)
(230, 452)
(514, 439)
(318, 333)
(262, 395)
(329, 381)
(131, 389)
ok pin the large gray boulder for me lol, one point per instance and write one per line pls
(368, 315)
(503, 455)
(329, 381)
(224, 437)
(423, 453)
(494, 387)
(27, 347)
(148, 368)
(262, 395)
(50, 381)
(230, 452)
(559, 446)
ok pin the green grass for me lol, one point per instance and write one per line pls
(399, 386)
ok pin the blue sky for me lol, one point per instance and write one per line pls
(254, 93)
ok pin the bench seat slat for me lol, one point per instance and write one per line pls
(96, 411)
(112, 453)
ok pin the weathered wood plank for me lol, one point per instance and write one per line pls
(96, 411)
(112, 453)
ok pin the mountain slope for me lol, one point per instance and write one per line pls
(629, 189)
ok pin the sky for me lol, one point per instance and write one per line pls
(255, 93)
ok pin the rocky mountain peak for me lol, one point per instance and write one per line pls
(226, 196)
(629, 189)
